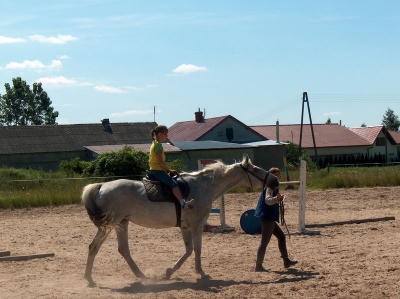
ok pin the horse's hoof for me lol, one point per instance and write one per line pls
(168, 273)
(92, 284)
(205, 276)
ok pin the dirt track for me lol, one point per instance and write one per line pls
(344, 261)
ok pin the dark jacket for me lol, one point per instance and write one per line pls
(268, 212)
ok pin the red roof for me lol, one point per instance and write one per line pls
(395, 135)
(326, 135)
(192, 130)
(368, 133)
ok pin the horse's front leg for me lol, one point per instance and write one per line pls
(187, 239)
(123, 248)
(197, 233)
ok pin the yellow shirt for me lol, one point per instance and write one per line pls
(153, 160)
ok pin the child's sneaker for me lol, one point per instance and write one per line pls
(188, 204)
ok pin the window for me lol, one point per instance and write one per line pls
(381, 141)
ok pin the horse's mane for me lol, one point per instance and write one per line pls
(217, 169)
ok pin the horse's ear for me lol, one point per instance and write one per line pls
(246, 159)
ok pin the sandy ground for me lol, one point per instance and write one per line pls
(344, 261)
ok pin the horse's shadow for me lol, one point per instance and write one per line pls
(207, 285)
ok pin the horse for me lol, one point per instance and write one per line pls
(112, 205)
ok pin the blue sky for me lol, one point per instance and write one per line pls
(253, 60)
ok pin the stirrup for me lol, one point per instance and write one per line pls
(188, 204)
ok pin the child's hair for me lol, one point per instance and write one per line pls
(158, 129)
(272, 181)
(274, 170)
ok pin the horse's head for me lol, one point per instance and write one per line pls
(256, 175)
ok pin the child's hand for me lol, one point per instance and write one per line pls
(280, 197)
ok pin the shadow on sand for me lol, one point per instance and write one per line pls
(206, 285)
(297, 275)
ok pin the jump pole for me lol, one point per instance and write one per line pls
(5, 256)
(302, 200)
(223, 227)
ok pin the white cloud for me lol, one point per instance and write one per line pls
(108, 89)
(185, 69)
(60, 39)
(34, 65)
(131, 112)
(133, 88)
(10, 40)
(63, 57)
(148, 86)
(61, 81)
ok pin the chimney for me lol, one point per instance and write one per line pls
(199, 116)
(277, 131)
(106, 125)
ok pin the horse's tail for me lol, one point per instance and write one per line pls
(99, 217)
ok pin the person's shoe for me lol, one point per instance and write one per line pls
(260, 268)
(188, 204)
(287, 262)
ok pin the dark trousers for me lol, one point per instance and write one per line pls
(270, 228)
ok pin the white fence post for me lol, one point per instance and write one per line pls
(302, 201)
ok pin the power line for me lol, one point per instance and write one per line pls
(393, 98)
(328, 98)
(272, 112)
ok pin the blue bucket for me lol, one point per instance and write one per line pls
(249, 223)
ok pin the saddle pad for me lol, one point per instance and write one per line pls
(156, 191)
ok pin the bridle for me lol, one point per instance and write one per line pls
(247, 171)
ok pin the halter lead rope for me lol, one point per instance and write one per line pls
(282, 214)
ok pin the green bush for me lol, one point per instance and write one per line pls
(293, 158)
(177, 165)
(74, 166)
(126, 162)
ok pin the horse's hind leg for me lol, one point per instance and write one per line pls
(94, 247)
(187, 239)
(197, 232)
(123, 248)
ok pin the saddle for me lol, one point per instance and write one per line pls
(159, 192)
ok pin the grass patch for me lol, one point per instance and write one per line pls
(32, 188)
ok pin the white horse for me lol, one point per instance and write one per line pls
(113, 204)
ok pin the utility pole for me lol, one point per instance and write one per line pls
(305, 100)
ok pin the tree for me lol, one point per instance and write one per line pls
(293, 159)
(363, 125)
(390, 120)
(328, 121)
(22, 106)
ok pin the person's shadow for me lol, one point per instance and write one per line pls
(206, 285)
(297, 275)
